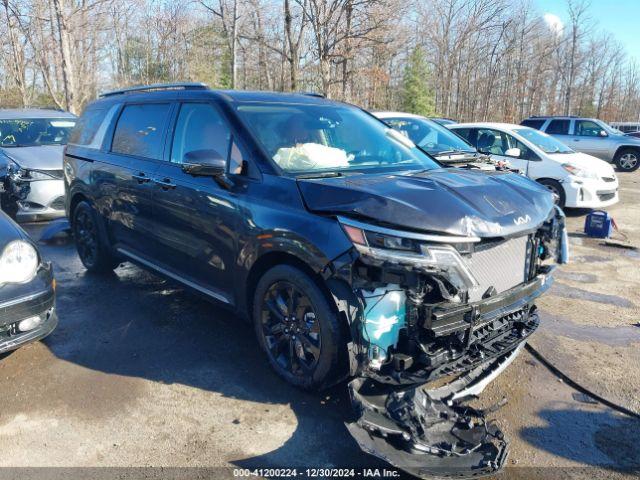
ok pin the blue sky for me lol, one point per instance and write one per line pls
(618, 17)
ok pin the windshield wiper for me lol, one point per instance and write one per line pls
(320, 175)
(450, 152)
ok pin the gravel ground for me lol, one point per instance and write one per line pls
(140, 373)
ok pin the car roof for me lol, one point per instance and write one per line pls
(497, 125)
(230, 96)
(397, 115)
(20, 113)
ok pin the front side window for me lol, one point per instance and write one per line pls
(304, 138)
(201, 134)
(492, 141)
(558, 127)
(35, 132)
(429, 135)
(588, 128)
(139, 130)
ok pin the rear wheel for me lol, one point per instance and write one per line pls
(93, 253)
(297, 328)
(556, 188)
(627, 159)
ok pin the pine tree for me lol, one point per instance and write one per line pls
(417, 96)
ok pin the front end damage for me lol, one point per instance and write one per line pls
(436, 318)
(13, 188)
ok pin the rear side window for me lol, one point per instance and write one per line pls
(87, 126)
(537, 124)
(139, 130)
(558, 127)
(201, 133)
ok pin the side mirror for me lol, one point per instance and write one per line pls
(204, 162)
(602, 133)
(513, 152)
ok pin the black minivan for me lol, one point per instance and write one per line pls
(353, 252)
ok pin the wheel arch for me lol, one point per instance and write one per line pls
(625, 147)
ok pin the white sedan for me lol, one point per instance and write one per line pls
(579, 180)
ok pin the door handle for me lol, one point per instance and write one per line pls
(141, 177)
(576, 139)
(164, 183)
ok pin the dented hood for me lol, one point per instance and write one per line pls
(43, 157)
(451, 201)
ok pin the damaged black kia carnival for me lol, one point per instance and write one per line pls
(354, 253)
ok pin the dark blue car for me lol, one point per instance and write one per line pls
(354, 253)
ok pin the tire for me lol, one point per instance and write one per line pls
(303, 348)
(93, 253)
(627, 159)
(555, 187)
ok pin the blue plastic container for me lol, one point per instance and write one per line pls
(598, 224)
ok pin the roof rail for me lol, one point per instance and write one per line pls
(553, 116)
(312, 94)
(157, 86)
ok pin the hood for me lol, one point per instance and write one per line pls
(451, 201)
(46, 157)
(586, 162)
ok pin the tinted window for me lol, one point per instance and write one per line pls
(201, 134)
(587, 128)
(139, 130)
(537, 124)
(465, 133)
(558, 127)
(87, 126)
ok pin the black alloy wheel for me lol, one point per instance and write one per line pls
(93, 254)
(291, 329)
(299, 328)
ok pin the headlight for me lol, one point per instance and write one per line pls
(442, 259)
(32, 175)
(18, 263)
(579, 172)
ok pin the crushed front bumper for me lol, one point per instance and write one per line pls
(431, 432)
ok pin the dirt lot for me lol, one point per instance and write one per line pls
(140, 373)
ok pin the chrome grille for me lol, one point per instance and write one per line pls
(501, 266)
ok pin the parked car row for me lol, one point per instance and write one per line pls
(382, 248)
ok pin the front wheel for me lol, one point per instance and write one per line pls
(555, 187)
(93, 253)
(627, 159)
(297, 328)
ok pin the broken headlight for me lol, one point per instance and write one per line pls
(414, 250)
(33, 175)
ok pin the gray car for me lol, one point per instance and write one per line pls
(592, 136)
(31, 144)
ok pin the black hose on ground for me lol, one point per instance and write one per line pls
(566, 379)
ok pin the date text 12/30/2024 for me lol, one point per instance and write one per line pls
(316, 472)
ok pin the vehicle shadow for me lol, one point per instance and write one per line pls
(132, 323)
(591, 437)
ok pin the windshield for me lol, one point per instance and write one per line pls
(429, 135)
(35, 132)
(329, 138)
(609, 129)
(544, 142)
